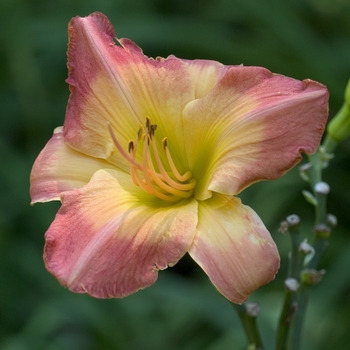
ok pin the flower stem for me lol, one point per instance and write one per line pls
(291, 284)
(294, 340)
(295, 257)
(330, 144)
(310, 275)
(247, 315)
(287, 313)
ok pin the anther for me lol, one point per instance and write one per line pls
(152, 130)
(148, 123)
(131, 146)
(165, 143)
(140, 133)
(131, 160)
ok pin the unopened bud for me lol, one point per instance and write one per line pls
(252, 308)
(305, 247)
(325, 156)
(305, 167)
(332, 220)
(322, 231)
(308, 250)
(291, 284)
(310, 197)
(283, 227)
(322, 187)
(293, 220)
(303, 171)
(311, 276)
(339, 127)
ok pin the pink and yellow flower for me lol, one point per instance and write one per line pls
(149, 160)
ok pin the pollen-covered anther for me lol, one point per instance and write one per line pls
(154, 177)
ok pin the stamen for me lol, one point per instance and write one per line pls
(168, 179)
(146, 160)
(164, 186)
(132, 168)
(148, 123)
(140, 133)
(153, 191)
(181, 178)
(145, 175)
(153, 128)
(165, 143)
(121, 150)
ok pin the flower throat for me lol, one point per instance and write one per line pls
(169, 186)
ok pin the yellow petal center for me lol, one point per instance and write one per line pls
(162, 180)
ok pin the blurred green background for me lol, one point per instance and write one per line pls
(299, 38)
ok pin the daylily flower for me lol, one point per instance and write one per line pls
(151, 156)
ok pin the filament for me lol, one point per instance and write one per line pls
(167, 185)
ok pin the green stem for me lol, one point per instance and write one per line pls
(330, 144)
(294, 340)
(288, 308)
(250, 328)
(287, 313)
(295, 257)
(315, 172)
(320, 245)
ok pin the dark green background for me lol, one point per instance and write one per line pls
(303, 39)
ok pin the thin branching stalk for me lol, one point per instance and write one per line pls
(247, 314)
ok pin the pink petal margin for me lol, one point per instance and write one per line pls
(233, 247)
(289, 120)
(255, 125)
(116, 84)
(106, 242)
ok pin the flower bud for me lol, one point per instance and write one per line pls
(303, 169)
(322, 231)
(293, 220)
(332, 220)
(306, 248)
(283, 227)
(311, 276)
(291, 284)
(339, 127)
(322, 187)
(310, 197)
(252, 308)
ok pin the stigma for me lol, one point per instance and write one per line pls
(161, 179)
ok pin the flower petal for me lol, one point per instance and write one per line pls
(233, 247)
(205, 75)
(109, 238)
(119, 85)
(60, 168)
(252, 126)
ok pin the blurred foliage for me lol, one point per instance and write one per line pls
(300, 38)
